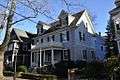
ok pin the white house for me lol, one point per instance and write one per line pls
(115, 15)
(69, 38)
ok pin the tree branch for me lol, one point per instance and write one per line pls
(22, 20)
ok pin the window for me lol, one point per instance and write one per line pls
(53, 37)
(41, 40)
(66, 54)
(101, 48)
(39, 60)
(10, 46)
(83, 37)
(48, 56)
(64, 21)
(67, 35)
(48, 39)
(61, 39)
(84, 54)
(41, 29)
(25, 47)
(80, 36)
(93, 54)
(37, 30)
(117, 26)
(86, 27)
(33, 57)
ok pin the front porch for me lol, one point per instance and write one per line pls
(44, 57)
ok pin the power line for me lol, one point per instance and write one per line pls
(68, 5)
(19, 14)
(38, 11)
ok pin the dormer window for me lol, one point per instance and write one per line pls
(64, 21)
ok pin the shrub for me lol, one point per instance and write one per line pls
(22, 68)
(38, 76)
(8, 73)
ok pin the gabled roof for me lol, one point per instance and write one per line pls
(115, 10)
(63, 12)
(77, 17)
(21, 34)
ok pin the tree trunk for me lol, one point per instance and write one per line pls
(7, 36)
(1, 64)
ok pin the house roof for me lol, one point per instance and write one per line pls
(77, 17)
(114, 10)
(117, 1)
(21, 34)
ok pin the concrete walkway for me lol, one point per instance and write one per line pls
(11, 78)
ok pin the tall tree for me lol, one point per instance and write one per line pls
(112, 64)
(111, 44)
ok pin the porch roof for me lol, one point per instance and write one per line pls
(48, 45)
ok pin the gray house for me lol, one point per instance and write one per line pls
(69, 38)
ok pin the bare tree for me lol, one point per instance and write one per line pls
(12, 14)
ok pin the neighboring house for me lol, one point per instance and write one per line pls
(69, 38)
(20, 40)
(115, 15)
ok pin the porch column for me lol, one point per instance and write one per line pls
(52, 57)
(37, 58)
(40, 58)
(31, 59)
(43, 57)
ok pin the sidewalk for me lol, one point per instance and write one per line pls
(11, 78)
